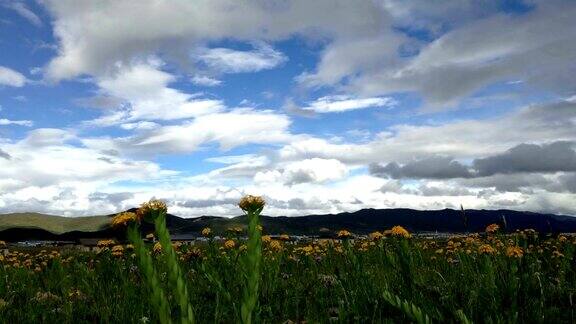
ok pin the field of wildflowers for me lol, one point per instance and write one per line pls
(252, 277)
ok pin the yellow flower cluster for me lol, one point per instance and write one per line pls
(157, 248)
(276, 246)
(514, 252)
(154, 205)
(251, 204)
(400, 232)
(375, 236)
(486, 249)
(344, 234)
(229, 244)
(492, 228)
(105, 243)
(117, 250)
(35, 262)
(206, 231)
(122, 220)
(236, 229)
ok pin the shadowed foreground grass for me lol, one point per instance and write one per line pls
(521, 277)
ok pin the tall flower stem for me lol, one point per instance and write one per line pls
(157, 297)
(252, 263)
(174, 271)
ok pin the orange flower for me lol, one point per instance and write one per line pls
(375, 236)
(252, 204)
(486, 249)
(124, 219)
(514, 252)
(151, 209)
(157, 248)
(230, 244)
(400, 231)
(275, 246)
(117, 250)
(492, 228)
(344, 234)
(206, 231)
(101, 243)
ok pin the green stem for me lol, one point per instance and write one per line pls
(158, 298)
(252, 267)
(174, 272)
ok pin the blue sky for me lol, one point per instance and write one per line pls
(322, 107)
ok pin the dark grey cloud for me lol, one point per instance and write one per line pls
(99, 102)
(535, 48)
(106, 159)
(435, 167)
(31, 205)
(529, 158)
(553, 114)
(113, 198)
(427, 190)
(395, 186)
(205, 203)
(292, 108)
(299, 176)
(508, 182)
(568, 182)
(552, 157)
(110, 152)
(310, 205)
(5, 155)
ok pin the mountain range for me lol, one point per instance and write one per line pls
(33, 226)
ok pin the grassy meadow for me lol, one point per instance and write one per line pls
(53, 224)
(385, 277)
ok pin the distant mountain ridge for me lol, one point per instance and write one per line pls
(31, 226)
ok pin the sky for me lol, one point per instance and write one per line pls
(321, 106)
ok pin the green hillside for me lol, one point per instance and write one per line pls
(51, 223)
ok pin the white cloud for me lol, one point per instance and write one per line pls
(342, 103)
(239, 167)
(229, 129)
(461, 139)
(41, 137)
(232, 159)
(95, 35)
(142, 125)
(118, 46)
(46, 157)
(27, 123)
(9, 77)
(535, 48)
(352, 56)
(46, 172)
(144, 88)
(313, 170)
(24, 11)
(225, 60)
(361, 55)
(203, 80)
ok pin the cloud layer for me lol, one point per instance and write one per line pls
(322, 106)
